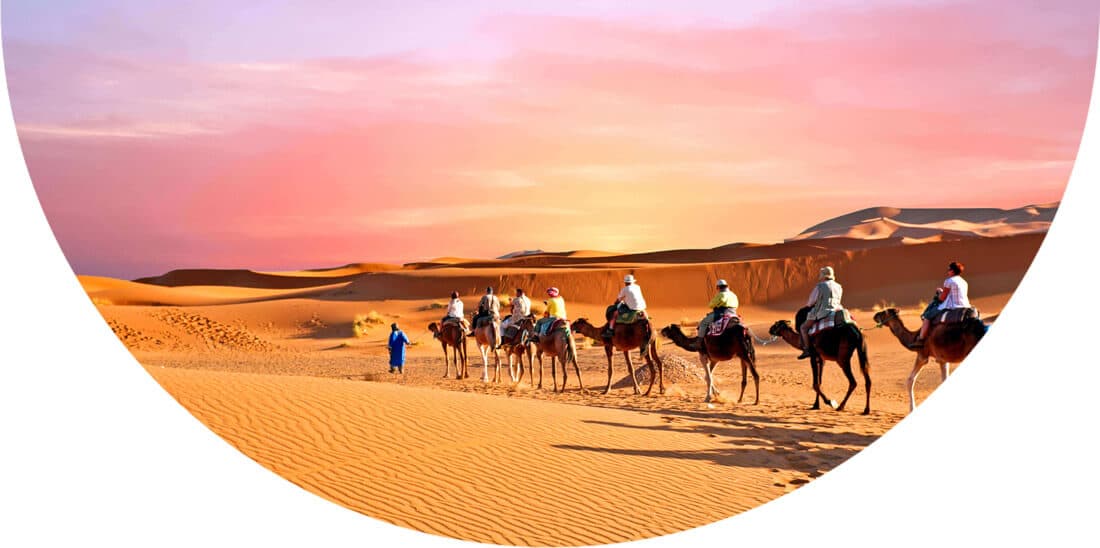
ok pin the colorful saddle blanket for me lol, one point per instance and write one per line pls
(630, 316)
(450, 320)
(725, 321)
(952, 315)
(838, 318)
(557, 325)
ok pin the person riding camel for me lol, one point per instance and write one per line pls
(723, 302)
(555, 310)
(487, 307)
(953, 294)
(629, 299)
(824, 300)
(454, 312)
(521, 308)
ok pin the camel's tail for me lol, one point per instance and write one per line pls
(570, 349)
(861, 349)
(750, 348)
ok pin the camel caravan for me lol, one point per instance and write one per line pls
(823, 331)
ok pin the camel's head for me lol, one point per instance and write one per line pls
(433, 327)
(668, 330)
(883, 316)
(579, 323)
(779, 327)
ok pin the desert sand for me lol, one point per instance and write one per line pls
(269, 361)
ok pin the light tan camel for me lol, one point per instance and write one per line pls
(734, 342)
(451, 335)
(487, 338)
(559, 344)
(627, 337)
(947, 343)
(518, 346)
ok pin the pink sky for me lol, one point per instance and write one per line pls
(615, 129)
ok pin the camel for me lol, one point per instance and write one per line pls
(734, 342)
(947, 343)
(559, 344)
(519, 346)
(451, 335)
(627, 337)
(835, 344)
(487, 337)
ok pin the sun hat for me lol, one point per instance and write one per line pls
(722, 283)
(827, 273)
(629, 279)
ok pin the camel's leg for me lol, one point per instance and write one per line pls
(653, 371)
(540, 370)
(945, 370)
(446, 361)
(629, 371)
(708, 370)
(921, 360)
(465, 359)
(846, 366)
(819, 367)
(608, 350)
(496, 357)
(484, 362)
(815, 383)
(553, 372)
(866, 369)
(751, 364)
(744, 380)
(660, 369)
(576, 365)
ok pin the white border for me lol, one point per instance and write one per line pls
(95, 453)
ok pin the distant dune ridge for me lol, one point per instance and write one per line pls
(865, 247)
(928, 223)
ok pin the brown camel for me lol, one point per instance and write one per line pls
(518, 346)
(835, 344)
(487, 337)
(559, 344)
(451, 335)
(947, 343)
(734, 342)
(627, 337)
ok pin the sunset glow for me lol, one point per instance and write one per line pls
(256, 135)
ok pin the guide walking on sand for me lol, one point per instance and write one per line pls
(397, 344)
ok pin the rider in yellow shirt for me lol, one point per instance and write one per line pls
(555, 309)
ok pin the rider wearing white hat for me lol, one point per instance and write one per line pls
(825, 300)
(630, 298)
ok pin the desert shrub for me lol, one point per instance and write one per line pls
(433, 306)
(364, 322)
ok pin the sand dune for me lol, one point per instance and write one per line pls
(110, 291)
(923, 223)
(995, 265)
(581, 475)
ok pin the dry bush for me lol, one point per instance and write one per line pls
(433, 306)
(364, 322)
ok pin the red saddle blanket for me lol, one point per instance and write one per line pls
(838, 318)
(725, 321)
